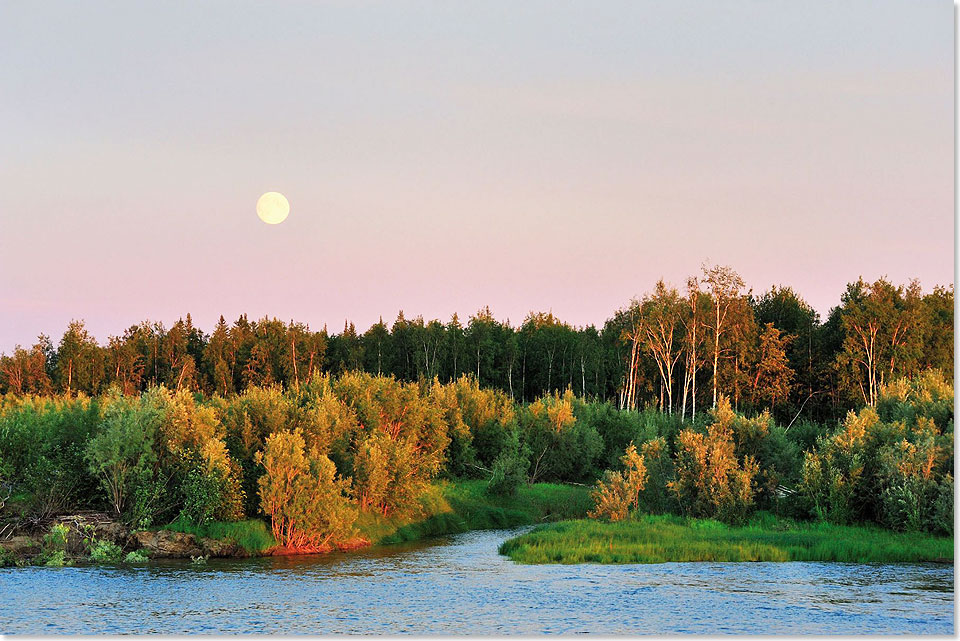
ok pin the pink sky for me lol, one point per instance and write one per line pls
(439, 159)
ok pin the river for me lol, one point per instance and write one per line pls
(459, 585)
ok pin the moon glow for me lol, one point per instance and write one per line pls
(272, 208)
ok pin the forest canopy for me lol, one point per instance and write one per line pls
(675, 349)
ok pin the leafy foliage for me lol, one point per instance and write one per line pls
(302, 494)
(618, 492)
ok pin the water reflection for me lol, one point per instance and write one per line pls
(460, 585)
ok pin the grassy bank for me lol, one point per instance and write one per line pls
(253, 535)
(451, 507)
(660, 539)
(448, 507)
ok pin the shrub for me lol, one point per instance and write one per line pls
(888, 464)
(710, 480)
(302, 494)
(928, 395)
(943, 507)
(509, 471)
(42, 443)
(56, 559)
(618, 492)
(136, 556)
(656, 497)
(561, 448)
(617, 428)
(56, 538)
(7, 558)
(53, 549)
(123, 451)
(105, 552)
(212, 493)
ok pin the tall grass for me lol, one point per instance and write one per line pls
(660, 539)
(252, 535)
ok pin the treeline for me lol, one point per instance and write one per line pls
(674, 349)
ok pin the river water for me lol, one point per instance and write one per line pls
(460, 585)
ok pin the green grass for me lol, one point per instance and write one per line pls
(252, 535)
(450, 507)
(660, 539)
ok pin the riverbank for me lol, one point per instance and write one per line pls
(662, 539)
(448, 507)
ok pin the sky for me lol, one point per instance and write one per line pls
(439, 157)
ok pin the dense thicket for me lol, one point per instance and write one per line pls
(310, 459)
(675, 349)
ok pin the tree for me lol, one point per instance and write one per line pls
(937, 351)
(882, 334)
(480, 335)
(219, 359)
(787, 312)
(725, 285)
(693, 339)
(78, 365)
(25, 372)
(772, 381)
(661, 322)
(377, 348)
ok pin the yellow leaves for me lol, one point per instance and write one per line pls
(710, 479)
(301, 493)
(617, 492)
(558, 410)
(855, 427)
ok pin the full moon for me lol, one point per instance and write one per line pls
(272, 208)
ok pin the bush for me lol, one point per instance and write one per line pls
(943, 508)
(710, 480)
(42, 443)
(656, 496)
(561, 448)
(888, 465)
(56, 559)
(136, 556)
(53, 549)
(509, 472)
(7, 558)
(204, 493)
(401, 447)
(123, 452)
(105, 552)
(302, 494)
(617, 429)
(618, 492)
